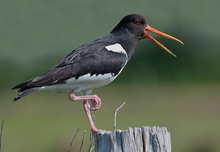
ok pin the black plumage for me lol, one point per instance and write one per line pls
(94, 59)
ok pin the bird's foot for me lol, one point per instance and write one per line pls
(96, 101)
(87, 109)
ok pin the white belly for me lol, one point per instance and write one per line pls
(85, 82)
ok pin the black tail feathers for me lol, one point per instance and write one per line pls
(24, 92)
(21, 85)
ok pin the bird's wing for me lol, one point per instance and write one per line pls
(91, 59)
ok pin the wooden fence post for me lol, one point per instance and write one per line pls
(144, 139)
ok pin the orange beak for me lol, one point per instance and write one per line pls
(146, 35)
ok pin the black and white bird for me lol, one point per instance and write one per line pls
(94, 64)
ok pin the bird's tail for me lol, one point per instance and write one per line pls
(25, 92)
(24, 89)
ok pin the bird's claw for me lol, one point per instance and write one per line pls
(96, 103)
(95, 130)
(86, 106)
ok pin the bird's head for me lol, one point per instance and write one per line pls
(137, 25)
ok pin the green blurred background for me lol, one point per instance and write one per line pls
(180, 93)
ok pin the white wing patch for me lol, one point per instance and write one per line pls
(116, 48)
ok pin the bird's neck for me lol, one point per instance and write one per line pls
(127, 40)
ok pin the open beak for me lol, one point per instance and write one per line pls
(146, 35)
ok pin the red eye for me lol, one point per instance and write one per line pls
(137, 21)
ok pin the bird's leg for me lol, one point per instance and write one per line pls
(96, 101)
(86, 107)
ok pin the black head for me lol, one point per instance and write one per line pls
(132, 23)
(137, 26)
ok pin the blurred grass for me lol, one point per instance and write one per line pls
(47, 121)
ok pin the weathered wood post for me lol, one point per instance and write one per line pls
(144, 139)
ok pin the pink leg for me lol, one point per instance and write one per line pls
(96, 101)
(86, 107)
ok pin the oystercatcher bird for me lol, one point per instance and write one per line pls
(94, 64)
